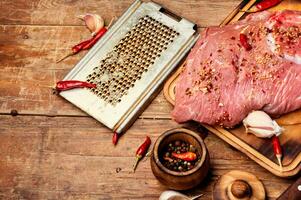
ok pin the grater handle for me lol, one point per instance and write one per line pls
(170, 14)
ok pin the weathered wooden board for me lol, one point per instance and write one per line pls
(71, 156)
(55, 12)
(28, 69)
(28, 53)
(293, 192)
(260, 150)
(59, 157)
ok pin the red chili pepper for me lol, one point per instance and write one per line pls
(187, 156)
(77, 48)
(115, 138)
(99, 34)
(141, 151)
(263, 5)
(85, 45)
(71, 84)
(266, 4)
(277, 149)
(244, 41)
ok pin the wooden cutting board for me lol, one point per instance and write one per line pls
(259, 150)
(293, 192)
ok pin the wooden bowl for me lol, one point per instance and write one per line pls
(180, 180)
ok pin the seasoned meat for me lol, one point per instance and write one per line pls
(222, 81)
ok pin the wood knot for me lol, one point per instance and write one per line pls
(118, 169)
(241, 189)
(25, 36)
(14, 112)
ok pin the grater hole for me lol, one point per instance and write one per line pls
(130, 59)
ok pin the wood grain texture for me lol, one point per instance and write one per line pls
(56, 12)
(74, 158)
(55, 151)
(293, 192)
(28, 70)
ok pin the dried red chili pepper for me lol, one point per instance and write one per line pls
(141, 151)
(115, 138)
(85, 45)
(244, 41)
(93, 40)
(71, 84)
(266, 4)
(187, 156)
(263, 5)
(75, 49)
(277, 149)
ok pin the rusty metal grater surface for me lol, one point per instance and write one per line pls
(130, 58)
(129, 63)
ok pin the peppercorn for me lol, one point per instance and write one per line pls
(174, 154)
(177, 143)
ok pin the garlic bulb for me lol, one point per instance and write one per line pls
(173, 195)
(93, 22)
(260, 124)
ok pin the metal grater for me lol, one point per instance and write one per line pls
(129, 63)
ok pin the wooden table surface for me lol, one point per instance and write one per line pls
(52, 150)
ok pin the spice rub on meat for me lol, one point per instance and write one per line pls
(223, 81)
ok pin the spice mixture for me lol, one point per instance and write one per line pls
(180, 156)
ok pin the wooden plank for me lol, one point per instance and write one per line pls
(292, 192)
(72, 157)
(53, 12)
(83, 175)
(28, 68)
(62, 134)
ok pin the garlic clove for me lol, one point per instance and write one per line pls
(261, 133)
(258, 118)
(173, 195)
(93, 22)
(278, 129)
(260, 124)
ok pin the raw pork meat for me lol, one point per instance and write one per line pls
(222, 81)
